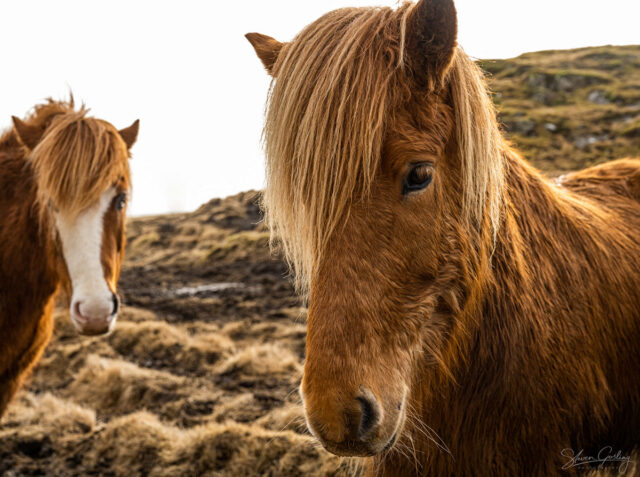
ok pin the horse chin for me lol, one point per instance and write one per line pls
(96, 332)
(349, 449)
(358, 449)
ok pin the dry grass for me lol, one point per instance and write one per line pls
(160, 345)
(162, 450)
(119, 387)
(50, 415)
(266, 359)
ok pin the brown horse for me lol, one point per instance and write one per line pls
(64, 179)
(466, 315)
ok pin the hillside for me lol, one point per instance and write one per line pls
(567, 110)
(200, 377)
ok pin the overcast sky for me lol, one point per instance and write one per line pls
(185, 69)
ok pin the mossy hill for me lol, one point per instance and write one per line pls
(570, 109)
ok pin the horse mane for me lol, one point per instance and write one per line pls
(334, 91)
(40, 117)
(78, 158)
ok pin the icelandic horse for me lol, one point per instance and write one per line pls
(64, 180)
(467, 316)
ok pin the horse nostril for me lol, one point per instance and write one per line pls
(76, 309)
(116, 303)
(370, 414)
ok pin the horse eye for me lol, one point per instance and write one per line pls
(419, 178)
(121, 200)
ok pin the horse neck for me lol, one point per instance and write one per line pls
(29, 258)
(549, 234)
(544, 237)
(552, 285)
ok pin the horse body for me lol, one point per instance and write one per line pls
(33, 266)
(466, 315)
(25, 310)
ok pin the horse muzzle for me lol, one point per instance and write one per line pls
(360, 427)
(94, 316)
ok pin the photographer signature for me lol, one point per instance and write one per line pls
(604, 458)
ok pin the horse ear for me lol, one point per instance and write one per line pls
(267, 49)
(130, 134)
(28, 135)
(432, 29)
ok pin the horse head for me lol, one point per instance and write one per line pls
(82, 174)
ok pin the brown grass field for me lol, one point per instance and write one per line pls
(200, 376)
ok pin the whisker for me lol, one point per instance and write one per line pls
(415, 457)
(427, 430)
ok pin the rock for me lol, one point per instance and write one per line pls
(583, 141)
(551, 127)
(563, 81)
(526, 127)
(598, 97)
(537, 80)
(547, 98)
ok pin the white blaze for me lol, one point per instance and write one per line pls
(81, 239)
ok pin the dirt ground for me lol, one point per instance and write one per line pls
(200, 375)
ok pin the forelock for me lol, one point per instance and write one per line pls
(335, 84)
(78, 158)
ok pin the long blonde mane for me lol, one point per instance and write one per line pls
(335, 89)
(78, 158)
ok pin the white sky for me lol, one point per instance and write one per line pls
(185, 69)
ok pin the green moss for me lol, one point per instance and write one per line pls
(543, 101)
(632, 130)
(493, 67)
